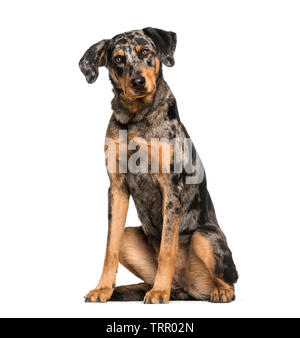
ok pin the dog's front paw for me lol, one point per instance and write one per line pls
(155, 296)
(101, 295)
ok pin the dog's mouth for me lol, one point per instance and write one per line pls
(137, 95)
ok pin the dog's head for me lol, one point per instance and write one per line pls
(133, 60)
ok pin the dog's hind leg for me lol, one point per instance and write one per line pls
(137, 256)
(197, 281)
(210, 246)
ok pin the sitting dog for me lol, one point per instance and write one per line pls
(179, 251)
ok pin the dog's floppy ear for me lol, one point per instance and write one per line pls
(165, 43)
(93, 58)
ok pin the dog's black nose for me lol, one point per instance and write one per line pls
(138, 82)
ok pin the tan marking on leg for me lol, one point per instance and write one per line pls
(204, 251)
(222, 292)
(198, 282)
(137, 255)
(160, 293)
(119, 208)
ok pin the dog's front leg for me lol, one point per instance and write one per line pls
(160, 293)
(118, 206)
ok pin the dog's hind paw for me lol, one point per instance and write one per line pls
(222, 295)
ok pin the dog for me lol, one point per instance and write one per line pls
(179, 251)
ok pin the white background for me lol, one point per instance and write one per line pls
(236, 81)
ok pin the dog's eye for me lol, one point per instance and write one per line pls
(118, 59)
(145, 51)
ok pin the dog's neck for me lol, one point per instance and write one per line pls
(133, 111)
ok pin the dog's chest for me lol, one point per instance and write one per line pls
(146, 194)
(137, 157)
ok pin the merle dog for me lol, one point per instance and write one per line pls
(179, 251)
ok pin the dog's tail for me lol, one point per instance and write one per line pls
(136, 292)
(133, 292)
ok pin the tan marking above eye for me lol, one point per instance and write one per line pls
(140, 49)
(120, 52)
